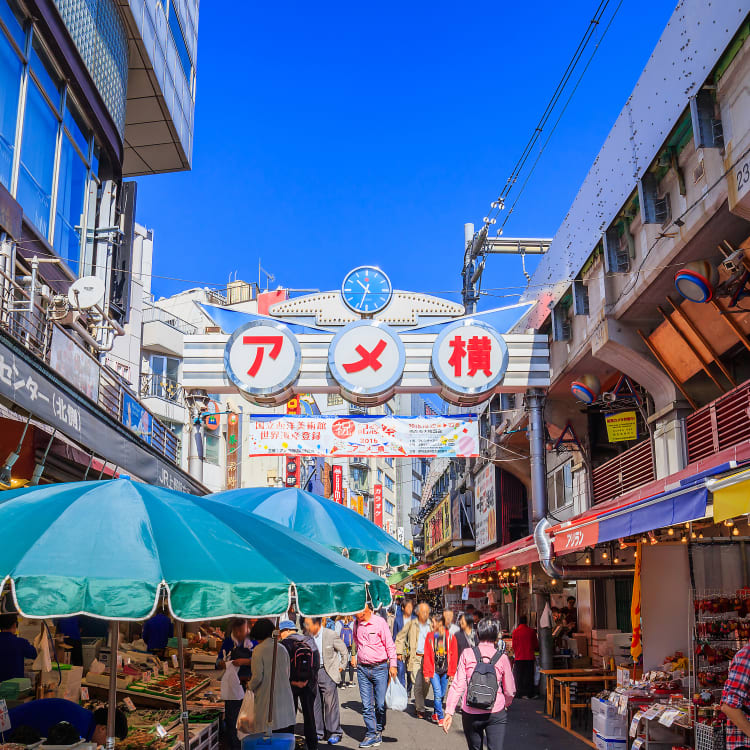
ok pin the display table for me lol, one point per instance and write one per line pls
(566, 706)
(549, 675)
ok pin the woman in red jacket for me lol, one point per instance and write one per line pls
(440, 661)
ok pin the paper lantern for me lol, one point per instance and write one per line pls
(586, 388)
(696, 281)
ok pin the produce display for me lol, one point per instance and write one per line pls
(146, 738)
(11, 746)
(169, 686)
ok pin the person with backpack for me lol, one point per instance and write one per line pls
(304, 663)
(346, 633)
(439, 664)
(485, 680)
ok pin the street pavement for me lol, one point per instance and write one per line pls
(527, 728)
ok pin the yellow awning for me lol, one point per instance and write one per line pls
(731, 495)
(457, 561)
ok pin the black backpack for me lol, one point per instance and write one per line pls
(483, 685)
(301, 659)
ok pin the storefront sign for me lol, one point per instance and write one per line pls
(337, 474)
(437, 526)
(136, 417)
(378, 505)
(576, 539)
(364, 436)
(360, 505)
(621, 426)
(233, 450)
(292, 463)
(211, 417)
(69, 361)
(485, 507)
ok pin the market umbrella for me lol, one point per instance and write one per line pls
(322, 520)
(108, 549)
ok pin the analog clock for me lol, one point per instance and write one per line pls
(366, 290)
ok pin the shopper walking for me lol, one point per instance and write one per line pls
(450, 621)
(404, 615)
(466, 637)
(304, 663)
(486, 694)
(376, 664)
(347, 636)
(284, 714)
(525, 645)
(410, 648)
(234, 654)
(333, 656)
(440, 660)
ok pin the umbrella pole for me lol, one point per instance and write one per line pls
(114, 636)
(183, 689)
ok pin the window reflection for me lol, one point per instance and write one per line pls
(10, 84)
(71, 192)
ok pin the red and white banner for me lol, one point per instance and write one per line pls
(337, 473)
(451, 436)
(378, 503)
(292, 464)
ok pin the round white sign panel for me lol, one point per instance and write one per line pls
(366, 357)
(262, 358)
(469, 357)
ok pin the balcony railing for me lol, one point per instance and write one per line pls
(159, 387)
(27, 323)
(623, 473)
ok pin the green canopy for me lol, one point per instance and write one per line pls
(106, 548)
(398, 577)
(325, 521)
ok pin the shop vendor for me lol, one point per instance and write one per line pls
(13, 648)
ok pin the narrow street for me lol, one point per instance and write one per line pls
(527, 728)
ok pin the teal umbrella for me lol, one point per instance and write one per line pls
(107, 548)
(325, 521)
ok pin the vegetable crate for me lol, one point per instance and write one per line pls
(708, 737)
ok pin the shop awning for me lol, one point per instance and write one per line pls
(396, 578)
(438, 580)
(521, 552)
(457, 561)
(683, 501)
(459, 577)
(731, 495)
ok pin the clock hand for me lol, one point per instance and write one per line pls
(362, 285)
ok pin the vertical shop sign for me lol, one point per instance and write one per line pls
(338, 494)
(344, 499)
(292, 463)
(378, 500)
(485, 507)
(233, 450)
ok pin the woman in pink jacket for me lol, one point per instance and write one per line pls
(479, 725)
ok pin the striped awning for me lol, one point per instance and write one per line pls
(439, 580)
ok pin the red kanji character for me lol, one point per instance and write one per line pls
(459, 352)
(479, 350)
(369, 359)
(276, 343)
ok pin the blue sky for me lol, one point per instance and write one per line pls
(332, 135)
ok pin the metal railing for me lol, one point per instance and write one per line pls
(27, 323)
(151, 314)
(721, 424)
(628, 471)
(156, 386)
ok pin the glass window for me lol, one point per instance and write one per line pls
(389, 507)
(211, 445)
(179, 40)
(388, 482)
(165, 377)
(71, 193)
(10, 86)
(75, 126)
(389, 461)
(380, 475)
(37, 159)
(45, 74)
(560, 486)
(11, 16)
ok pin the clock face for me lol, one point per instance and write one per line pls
(366, 290)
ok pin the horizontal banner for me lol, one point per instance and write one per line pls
(364, 436)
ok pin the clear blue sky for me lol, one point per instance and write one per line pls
(331, 135)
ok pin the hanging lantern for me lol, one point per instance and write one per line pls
(586, 388)
(696, 281)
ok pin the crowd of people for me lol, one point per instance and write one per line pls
(462, 661)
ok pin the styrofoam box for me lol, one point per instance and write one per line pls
(601, 707)
(613, 728)
(607, 743)
(601, 635)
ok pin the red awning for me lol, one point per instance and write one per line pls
(438, 580)
(521, 552)
(459, 577)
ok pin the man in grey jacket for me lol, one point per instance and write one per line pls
(333, 657)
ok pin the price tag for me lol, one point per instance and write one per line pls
(119, 661)
(161, 731)
(622, 709)
(129, 704)
(612, 698)
(652, 713)
(635, 723)
(4, 717)
(185, 715)
(637, 744)
(84, 693)
(165, 669)
(146, 676)
(174, 661)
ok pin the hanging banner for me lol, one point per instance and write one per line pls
(378, 505)
(337, 474)
(426, 437)
(485, 507)
(291, 462)
(233, 450)
(621, 426)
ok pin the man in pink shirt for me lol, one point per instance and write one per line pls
(376, 663)
(482, 727)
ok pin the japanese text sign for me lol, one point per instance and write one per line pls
(621, 426)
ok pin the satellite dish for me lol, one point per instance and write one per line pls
(86, 292)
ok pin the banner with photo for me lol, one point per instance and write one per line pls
(451, 436)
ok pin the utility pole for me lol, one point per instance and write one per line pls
(477, 245)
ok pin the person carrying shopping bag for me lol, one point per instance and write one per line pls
(485, 680)
(439, 663)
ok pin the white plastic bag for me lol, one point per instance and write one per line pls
(395, 696)
(246, 718)
(231, 687)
